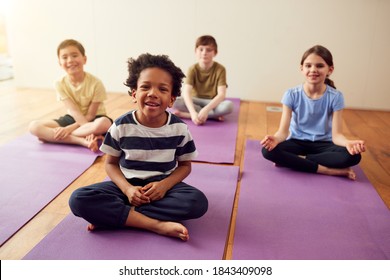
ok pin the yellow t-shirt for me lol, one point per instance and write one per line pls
(90, 90)
(205, 83)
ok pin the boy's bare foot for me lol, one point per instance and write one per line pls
(172, 229)
(167, 228)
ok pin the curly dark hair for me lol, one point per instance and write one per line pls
(136, 66)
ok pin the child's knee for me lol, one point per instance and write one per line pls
(230, 107)
(33, 127)
(267, 154)
(101, 123)
(200, 205)
(355, 159)
(226, 107)
(76, 202)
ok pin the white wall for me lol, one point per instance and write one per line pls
(260, 42)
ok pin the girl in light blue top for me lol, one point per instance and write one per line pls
(310, 137)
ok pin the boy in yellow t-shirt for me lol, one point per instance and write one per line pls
(83, 95)
(204, 91)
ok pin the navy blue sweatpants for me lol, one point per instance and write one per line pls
(319, 152)
(104, 204)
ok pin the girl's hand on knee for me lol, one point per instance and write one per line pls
(269, 142)
(355, 147)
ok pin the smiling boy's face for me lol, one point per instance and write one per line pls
(71, 60)
(153, 96)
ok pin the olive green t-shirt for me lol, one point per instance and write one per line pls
(206, 82)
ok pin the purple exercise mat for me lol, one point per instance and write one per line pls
(33, 174)
(208, 234)
(284, 215)
(215, 140)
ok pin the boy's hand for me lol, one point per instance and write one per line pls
(195, 119)
(136, 196)
(203, 115)
(154, 191)
(61, 133)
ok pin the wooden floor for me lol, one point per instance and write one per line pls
(19, 107)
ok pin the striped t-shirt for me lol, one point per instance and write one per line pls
(145, 152)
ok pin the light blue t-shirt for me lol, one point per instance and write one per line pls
(312, 118)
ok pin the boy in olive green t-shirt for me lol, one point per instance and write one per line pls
(204, 91)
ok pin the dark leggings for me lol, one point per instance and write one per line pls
(320, 152)
(104, 204)
(68, 119)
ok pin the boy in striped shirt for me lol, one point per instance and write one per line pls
(149, 153)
